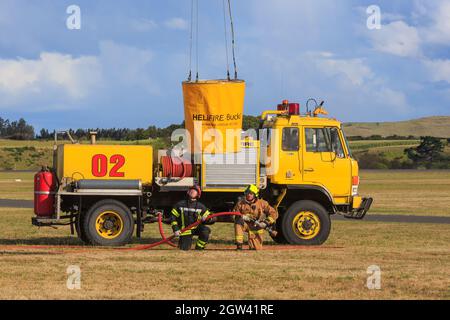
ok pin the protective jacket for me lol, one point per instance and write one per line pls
(259, 210)
(187, 212)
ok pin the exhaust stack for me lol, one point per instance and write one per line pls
(93, 137)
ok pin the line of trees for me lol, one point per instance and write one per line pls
(429, 154)
(116, 134)
(17, 130)
(125, 134)
(379, 137)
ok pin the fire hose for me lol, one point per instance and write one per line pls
(169, 239)
(176, 167)
(164, 239)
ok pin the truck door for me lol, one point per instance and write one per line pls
(325, 162)
(289, 162)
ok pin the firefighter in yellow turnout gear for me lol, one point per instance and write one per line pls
(257, 215)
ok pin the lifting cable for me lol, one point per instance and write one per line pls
(196, 39)
(226, 38)
(233, 42)
(195, 20)
(190, 41)
(194, 16)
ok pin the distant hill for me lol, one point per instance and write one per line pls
(431, 126)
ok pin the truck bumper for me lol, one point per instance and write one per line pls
(360, 207)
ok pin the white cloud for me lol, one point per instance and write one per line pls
(438, 70)
(176, 24)
(392, 98)
(61, 81)
(354, 78)
(396, 38)
(390, 17)
(73, 77)
(439, 29)
(143, 25)
(353, 70)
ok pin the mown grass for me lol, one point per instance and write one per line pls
(413, 259)
(410, 192)
(31, 155)
(16, 185)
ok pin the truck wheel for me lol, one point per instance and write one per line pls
(108, 223)
(80, 231)
(279, 238)
(306, 223)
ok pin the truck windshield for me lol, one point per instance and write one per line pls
(346, 143)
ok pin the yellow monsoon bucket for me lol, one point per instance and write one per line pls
(213, 111)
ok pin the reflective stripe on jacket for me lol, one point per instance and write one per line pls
(185, 213)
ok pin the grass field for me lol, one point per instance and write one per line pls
(410, 192)
(31, 155)
(438, 126)
(413, 258)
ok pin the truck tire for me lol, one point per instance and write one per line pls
(80, 230)
(108, 223)
(279, 238)
(306, 222)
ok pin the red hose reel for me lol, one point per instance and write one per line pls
(176, 167)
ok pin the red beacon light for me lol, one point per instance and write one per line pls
(290, 108)
(284, 106)
(294, 109)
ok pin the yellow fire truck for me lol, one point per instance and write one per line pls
(301, 162)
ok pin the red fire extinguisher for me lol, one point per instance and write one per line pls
(44, 193)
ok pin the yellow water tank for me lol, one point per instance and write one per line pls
(213, 112)
(105, 162)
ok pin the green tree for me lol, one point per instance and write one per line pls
(429, 150)
(250, 122)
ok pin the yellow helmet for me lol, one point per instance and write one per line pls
(253, 189)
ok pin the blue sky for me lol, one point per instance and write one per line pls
(125, 66)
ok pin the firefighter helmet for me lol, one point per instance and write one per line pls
(252, 189)
(196, 188)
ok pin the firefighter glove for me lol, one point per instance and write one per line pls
(261, 224)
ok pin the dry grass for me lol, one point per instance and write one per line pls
(414, 260)
(410, 192)
(395, 191)
(438, 126)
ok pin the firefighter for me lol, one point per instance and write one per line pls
(257, 215)
(187, 212)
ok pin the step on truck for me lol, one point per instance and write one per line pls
(301, 162)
